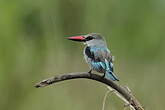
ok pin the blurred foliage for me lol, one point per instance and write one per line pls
(33, 47)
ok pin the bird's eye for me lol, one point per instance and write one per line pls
(89, 38)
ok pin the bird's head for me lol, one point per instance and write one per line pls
(89, 39)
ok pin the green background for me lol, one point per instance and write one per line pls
(33, 47)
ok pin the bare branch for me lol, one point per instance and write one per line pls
(121, 90)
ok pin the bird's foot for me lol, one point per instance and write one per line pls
(90, 72)
(103, 75)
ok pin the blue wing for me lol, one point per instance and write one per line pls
(101, 61)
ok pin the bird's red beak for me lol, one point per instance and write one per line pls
(77, 38)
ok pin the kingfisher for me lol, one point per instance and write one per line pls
(97, 55)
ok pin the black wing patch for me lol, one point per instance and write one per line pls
(89, 53)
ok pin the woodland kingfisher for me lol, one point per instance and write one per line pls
(97, 55)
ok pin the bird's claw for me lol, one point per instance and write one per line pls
(103, 75)
(90, 72)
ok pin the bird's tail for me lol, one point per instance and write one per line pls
(111, 75)
(109, 71)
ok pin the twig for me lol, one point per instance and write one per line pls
(127, 104)
(121, 90)
(104, 100)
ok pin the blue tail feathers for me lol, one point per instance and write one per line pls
(111, 75)
(109, 71)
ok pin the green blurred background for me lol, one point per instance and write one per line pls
(33, 47)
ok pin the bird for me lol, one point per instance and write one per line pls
(97, 55)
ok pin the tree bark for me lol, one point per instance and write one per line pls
(125, 93)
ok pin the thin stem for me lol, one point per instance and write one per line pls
(68, 76)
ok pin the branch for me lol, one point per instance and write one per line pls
(125, 93)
